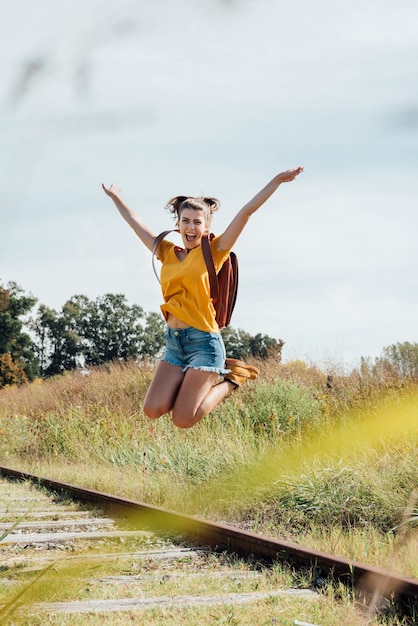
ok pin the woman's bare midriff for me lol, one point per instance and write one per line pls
(174, 322)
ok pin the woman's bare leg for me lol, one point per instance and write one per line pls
(215, 396)
(162, 392)
(197, 397)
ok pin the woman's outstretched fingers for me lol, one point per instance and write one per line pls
(112, 191)
(290, 175)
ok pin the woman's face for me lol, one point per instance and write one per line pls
(192, 226)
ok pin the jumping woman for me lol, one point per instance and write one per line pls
(194, 357)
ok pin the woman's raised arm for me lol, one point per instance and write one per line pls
(235, 228)
(144, 233)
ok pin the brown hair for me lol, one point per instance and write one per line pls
(201, 203)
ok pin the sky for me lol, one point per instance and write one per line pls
(168, 98)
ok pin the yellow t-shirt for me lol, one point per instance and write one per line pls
(185, 285)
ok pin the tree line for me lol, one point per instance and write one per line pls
(37, 341)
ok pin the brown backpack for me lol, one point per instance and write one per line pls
(223, 285)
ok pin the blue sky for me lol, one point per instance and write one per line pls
(216, 97)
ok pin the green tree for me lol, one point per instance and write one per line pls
(400, 359)
(240, 344)
(14, 305)
(153, 338)
(89, 332)
(237, 342)
(58, 343)
(110, 329)
(265, 347)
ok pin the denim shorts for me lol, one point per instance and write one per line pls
(189, 347)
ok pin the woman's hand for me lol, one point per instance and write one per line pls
(289, 175)
(112, 191)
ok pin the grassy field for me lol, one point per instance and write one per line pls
(329, 462)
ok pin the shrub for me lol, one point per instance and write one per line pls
(280, 408)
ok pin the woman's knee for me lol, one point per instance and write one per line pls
(154, 411)
(183, 421)
(184, 417)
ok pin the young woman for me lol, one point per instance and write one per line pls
(194, 358)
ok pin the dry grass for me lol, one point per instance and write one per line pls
(91, 430)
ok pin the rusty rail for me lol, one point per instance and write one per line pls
(368, 581)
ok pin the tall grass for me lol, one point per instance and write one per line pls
(299, 453)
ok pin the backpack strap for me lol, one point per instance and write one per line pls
(157, 242)
(213, 279)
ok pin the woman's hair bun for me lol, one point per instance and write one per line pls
(213, 203)
(204, 203)
(175, 203)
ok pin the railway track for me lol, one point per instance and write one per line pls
(102, 529)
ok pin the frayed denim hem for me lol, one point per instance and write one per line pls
(203, 368)
(221, 371)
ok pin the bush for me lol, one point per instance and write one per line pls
(11, 372)
(281, 407)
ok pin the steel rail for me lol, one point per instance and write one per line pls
(368, 581)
